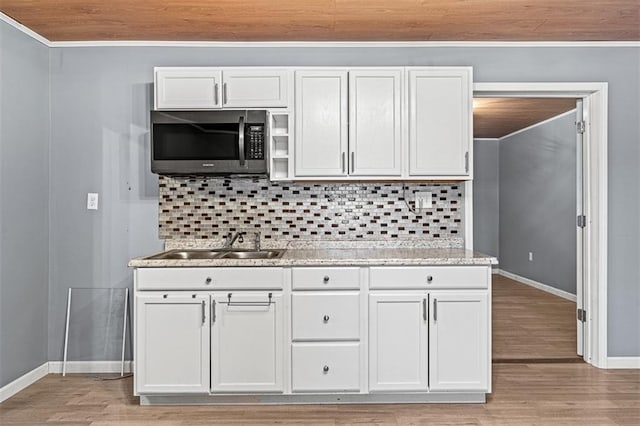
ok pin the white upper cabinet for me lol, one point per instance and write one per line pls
(321, 123)
(458, 341)
(261, 88)
(187, 88)
(212, 88)
(440, 121)
(375, 128)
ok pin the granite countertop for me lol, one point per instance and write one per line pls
(328, 254)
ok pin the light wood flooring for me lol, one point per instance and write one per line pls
(523, 393)
(530, 324)
(541, 394)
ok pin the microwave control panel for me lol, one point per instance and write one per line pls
(255, 147)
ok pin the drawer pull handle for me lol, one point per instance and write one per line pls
(326, 278)
(429, 278)
(208, 280)
(326, 318)
(325, 368)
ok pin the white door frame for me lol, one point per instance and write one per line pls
(595, 104)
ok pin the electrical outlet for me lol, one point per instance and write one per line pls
(530, 256)
(92, 201)
(424, 200)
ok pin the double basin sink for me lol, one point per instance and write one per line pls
(199, 254)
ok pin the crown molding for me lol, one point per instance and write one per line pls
(310, 44)
(17, 25)
(343, 44)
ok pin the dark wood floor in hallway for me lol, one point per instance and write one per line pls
(531, 324)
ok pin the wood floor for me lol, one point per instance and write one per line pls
(541, 394)
(531, 324)
(527, 323)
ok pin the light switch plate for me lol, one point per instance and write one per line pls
(92, 201)
(424, 200)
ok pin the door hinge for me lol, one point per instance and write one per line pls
(582, 315)
(466, 162)
(580, 125)
(582, 221)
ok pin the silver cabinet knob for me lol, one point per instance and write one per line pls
(208, 280)
(325, 368)
(326, 318)
(326, 278)
(429, 278)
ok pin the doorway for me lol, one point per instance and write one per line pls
(590, 304)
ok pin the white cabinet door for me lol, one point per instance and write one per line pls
(321, 123)
(188, 88)
(247, 343)
(458, 341)
(398, 330)
(440, 117)
(260, 88)
(172, 343)
(375, 128)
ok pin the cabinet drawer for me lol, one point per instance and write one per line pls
(209, 278)
(326, 316)
(325, 367)
(429, 277)
(326, 278)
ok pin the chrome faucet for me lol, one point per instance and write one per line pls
(231, 238)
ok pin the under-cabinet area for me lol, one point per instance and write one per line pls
(313, 333)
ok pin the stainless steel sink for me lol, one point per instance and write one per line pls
(187, 254)
(197, 254)
(263, 254)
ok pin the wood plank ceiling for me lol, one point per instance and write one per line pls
(498, 117)
(329, 20)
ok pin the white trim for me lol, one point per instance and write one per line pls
(468, 215)
(17, 25)
(343, 44)
(544, 287)
(486, 139)
(22, 382)
(595, 99)
(90, 367)
(536, 89)
(614, 362)
(572, 111)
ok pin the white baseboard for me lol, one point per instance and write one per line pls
(623, 362)
(90, 367)
(539, 286)
(10, 389)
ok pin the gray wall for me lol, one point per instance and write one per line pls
(538, 203)
(485, 196)
(100, 103)
(24, 203)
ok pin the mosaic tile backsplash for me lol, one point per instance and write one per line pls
(209, 208)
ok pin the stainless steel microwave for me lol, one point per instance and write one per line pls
(208, 142)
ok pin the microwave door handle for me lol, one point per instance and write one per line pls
(241, 139)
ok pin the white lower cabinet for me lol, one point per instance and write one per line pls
(172, 341)
(458, 341)
(325, 367)
(389, 331)
(398, 345)
(247, 342)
